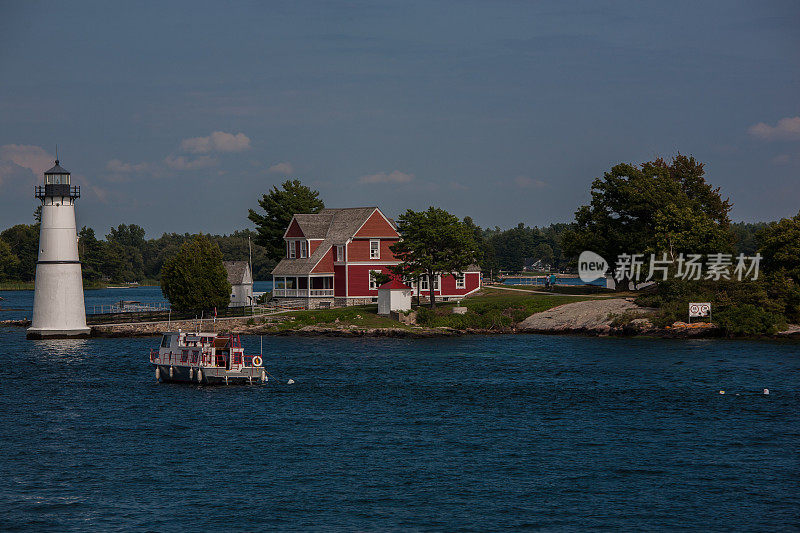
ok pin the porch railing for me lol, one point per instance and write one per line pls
(301, 293)
(321, 292)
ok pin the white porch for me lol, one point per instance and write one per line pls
(313, 286)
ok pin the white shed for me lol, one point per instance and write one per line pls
(393, 296)
(241, 280)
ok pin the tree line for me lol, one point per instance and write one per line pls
(124, 255)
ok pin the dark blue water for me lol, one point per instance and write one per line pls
(16, 305)
(473, 433)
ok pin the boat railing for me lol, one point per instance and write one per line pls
(205, 359)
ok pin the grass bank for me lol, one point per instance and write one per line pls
(494, 309)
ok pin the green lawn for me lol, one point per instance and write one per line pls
(363, 316)
(495, 309)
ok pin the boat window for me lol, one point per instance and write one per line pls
(165, 341)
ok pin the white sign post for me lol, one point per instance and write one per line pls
(699, 309)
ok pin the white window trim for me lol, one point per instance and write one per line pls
(378, 250)
(340, 252)
(303, 249)
(373, 286)
(461, 280)
(424, 285)
(292, 250)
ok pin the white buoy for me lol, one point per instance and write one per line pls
(158, 374)
(766, 391)
(199, 375)
(171, 372)
(263, 377)
(290, 382)
(191, 373)
(722, 392)
(226, 380)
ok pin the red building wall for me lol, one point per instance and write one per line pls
(358, 250)
(340, 281)
(358, 280)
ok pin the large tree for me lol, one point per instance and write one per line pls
(24, 242)
(279, 206)
(195, 279)
(433, 243)
(657, 207)
(9, 262)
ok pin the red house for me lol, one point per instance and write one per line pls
(330, 257)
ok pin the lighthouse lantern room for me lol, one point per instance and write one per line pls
(58, 308)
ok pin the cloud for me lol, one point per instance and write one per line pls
(284, 168)
(218, 141)
(525, 182)
(115, 165)
(383, 177)
(34, 158)
(185, 163)
(787, 129)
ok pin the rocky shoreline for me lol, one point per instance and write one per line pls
(613, 317)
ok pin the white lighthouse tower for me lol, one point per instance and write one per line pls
(58, 309)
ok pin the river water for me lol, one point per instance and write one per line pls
(474, 433)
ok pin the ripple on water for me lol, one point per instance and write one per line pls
(480, 433)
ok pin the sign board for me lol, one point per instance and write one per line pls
(699, 309)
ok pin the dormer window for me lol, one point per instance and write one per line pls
(375, 249)
(303, 248)
(292, 249)
(340, 252)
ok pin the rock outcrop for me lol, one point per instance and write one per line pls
(617, 315)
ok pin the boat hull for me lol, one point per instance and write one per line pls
(209, 375)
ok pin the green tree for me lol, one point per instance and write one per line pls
(195, 279)
(780, 250)
(514, 245)
(279, 206)
(780, 247)
(127, 235)
(91, 252)
(432, 243)
(24, 242)
(653, 208)
(484, 252)
(9, 262)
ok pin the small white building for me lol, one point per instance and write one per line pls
(393, 296)
(241, 279)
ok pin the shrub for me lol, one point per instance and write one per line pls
(747, 319)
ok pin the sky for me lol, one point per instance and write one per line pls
(178, 116)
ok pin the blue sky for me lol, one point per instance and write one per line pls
(177, 115)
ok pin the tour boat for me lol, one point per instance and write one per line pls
(206, 358)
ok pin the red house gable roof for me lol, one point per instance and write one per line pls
(377, 226)
(334, 227)
(293, 230)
